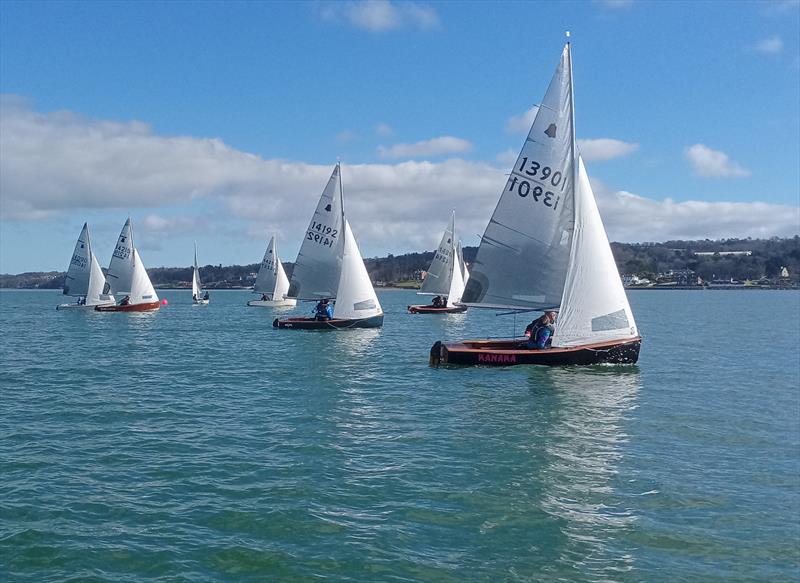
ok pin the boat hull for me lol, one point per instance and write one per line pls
(335, 324)
(514, 352)
(146, 307)
(201, 302)
(428, 309)
(287, 303)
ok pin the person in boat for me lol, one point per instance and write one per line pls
(264, 298)
(541, 331)
(125, 301)
(323, 311)
(194, 297)
(205, 297)
(82, 301)
(437, 302)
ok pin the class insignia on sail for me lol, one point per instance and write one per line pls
(545, 249)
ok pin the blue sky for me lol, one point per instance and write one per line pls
(221, 121)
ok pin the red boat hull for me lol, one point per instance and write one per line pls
(428, 309)
(514, 352)
(148, 307)
(335, 324)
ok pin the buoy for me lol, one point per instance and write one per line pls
(164, 302)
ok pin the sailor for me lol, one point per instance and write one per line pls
(264, 298)
(541, 331)
(125, 301)
(437, 302)
(205, 297)
(323, 311)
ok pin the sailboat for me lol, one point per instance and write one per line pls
(197, 289)
(545, 248)
(85, 279)
(445, 278)
(127, 277)
(329, 266)
(271, 281)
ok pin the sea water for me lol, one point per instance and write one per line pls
(198, 443)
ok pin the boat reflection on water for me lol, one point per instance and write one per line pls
(582, 448)
(359, 342)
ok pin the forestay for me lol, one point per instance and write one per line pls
(319, 262)
(120, 270)
(523, 254)
(356, 297)
(595, 307)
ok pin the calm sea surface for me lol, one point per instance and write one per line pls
(200, 444)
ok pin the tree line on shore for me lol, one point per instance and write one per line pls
(704, 259)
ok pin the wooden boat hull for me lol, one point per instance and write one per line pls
(287, 303)
(146, 307)
(428, 309)
(335, 324)
(514, 352)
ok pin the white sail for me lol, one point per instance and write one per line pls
(356, 297)
(281, 281)
(120, 270)
(97, 283)
(595, 307)
(197, 288)
(142, 291)
(319, 262)
(464, 270)
(440, 272)
(79, 271)
(523, 255)
(456, 283)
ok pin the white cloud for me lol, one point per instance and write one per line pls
(521, 124)
(601, 149)
(769, 46)
(384, 130)
(713, 163)
(632, 218)
(381, 15)
(426, 148)
(507, 158)
(60, 164)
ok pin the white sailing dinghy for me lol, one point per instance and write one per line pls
(329, 266)
(85, 279)
(271, 281)
(545, 248)
(197, 288)
(127, 277)
(446, 276)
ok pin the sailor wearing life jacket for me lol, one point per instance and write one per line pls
(541, 331)
(323, 310)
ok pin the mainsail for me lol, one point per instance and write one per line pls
(271, 278)
(80, 266)
(120, 270)
(356, 296)
(440, 273)
(523, 255)
(319, 262)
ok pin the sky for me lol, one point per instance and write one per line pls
(221, 122)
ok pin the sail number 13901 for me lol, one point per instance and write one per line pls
(544, 177)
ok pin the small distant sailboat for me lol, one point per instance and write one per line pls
(127, 277)
(545, 249)
(271, 281)
(198, 297)
(446, 277)
(85, 279)
(329, 266)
